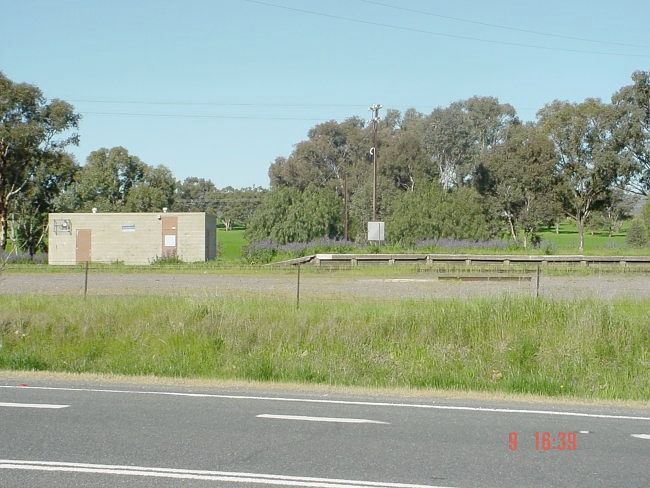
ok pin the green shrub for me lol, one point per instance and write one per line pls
(645, 213)
(432, 213)
(637, 234)
(172, 259)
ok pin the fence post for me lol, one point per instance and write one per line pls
(298, 289)
(537, 282)
(86, 281)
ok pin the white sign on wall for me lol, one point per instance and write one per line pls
(170, 241)
(376, 231)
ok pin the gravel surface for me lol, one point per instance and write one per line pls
(326, 287)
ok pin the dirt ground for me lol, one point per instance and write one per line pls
(325, 287)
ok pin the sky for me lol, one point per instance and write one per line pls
(219, 89)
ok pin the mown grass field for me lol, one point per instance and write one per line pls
(230, 244)
(564, 242)
(596, 242)
(585, 349)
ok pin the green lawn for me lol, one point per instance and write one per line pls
(230, 243)
(596, 243)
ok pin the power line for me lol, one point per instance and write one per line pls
(204, 116)
(243, 104)
(220, 104)
(441, 34)
(505, 27)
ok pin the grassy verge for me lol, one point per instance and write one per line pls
(584, 349)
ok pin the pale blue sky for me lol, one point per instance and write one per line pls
(235, 83)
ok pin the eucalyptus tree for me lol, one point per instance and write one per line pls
(448, 143)
(50, 180)
(632, 133)
(32, 129)
(588, 163)
(323, 158)
(112, 180)
(519, 176)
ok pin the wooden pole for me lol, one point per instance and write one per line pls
(298, 289)
(86, 281)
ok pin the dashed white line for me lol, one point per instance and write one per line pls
(268, 479)
(32, 405)
(320, 419)
(641, 436)
(337, 402)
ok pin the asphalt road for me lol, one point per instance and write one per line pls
(69, 434)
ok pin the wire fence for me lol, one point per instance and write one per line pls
(333, 283)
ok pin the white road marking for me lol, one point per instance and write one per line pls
(32, 405)
(584, 432)
(336, 402)
(320, 419)
(641, 436)
(269, 479)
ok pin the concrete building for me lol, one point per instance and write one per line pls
(131, 238)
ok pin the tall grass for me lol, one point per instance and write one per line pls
(586, 348)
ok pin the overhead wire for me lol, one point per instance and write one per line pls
(222, 104)
(500, 26)
(441, 34)
(204, 116)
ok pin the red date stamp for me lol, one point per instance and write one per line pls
(546, 441)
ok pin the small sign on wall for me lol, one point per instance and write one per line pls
(170, 241)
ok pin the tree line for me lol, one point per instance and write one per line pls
(38, 175)
(470, 170)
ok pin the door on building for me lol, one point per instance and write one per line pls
(169, 236)
(83, 246)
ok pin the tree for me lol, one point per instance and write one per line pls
(637, 234)
(645, 212)
(323, 158)
(153, 192)
(235, 206)
(457, 136)
(489, 120)
(519, 177)
(291, 215)
(611, 216)
(106, 178)
(195, 195)
(448, 143)
(50, 179)
(588, 163)
(31, 130)
(430, 212)
(632, 134)
(405, 163)
(113, 180)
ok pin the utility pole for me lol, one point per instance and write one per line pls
(375, 123)
(345, 205)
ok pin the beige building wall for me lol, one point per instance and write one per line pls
(131, 238)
